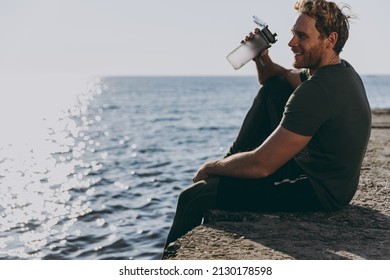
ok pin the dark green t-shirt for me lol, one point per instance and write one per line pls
(332, 107)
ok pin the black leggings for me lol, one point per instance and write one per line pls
(288, 189)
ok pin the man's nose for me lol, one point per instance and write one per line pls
(293, 42)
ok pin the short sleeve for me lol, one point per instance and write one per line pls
(307, 109)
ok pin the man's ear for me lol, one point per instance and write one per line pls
(332, 40)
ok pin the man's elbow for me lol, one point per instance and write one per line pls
(262, 171)
(262, 166)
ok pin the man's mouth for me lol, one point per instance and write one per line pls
(297, 52)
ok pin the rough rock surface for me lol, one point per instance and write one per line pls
(360, 231)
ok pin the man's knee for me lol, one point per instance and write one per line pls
(276, 87)
(276, 91)
(192, 192)
(197, 190)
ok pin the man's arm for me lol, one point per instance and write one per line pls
(279, 148)
(270, 69)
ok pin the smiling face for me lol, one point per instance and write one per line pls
(307, 45)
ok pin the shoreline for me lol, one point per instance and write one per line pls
(359, 231)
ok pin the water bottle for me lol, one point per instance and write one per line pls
(247, 51)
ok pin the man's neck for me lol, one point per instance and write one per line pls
(330, 60)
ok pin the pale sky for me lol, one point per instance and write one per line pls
(170, 37)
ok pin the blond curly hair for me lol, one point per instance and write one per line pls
(329, 18)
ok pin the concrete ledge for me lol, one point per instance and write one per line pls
(243, 235)
(360, 231)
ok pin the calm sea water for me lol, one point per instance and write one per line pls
(96, 175)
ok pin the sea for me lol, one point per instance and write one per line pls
(93, 171)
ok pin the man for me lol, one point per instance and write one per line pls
(302, 143)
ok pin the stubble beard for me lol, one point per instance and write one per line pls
(310, 59)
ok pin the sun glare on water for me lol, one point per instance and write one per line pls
(38, 160)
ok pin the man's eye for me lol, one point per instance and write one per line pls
(299, 35)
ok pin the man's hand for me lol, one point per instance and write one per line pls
(204, 172)
(265, 67)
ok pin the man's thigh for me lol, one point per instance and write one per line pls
(265, 195)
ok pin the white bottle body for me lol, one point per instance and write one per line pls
(247, 51)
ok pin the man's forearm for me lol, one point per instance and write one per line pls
(269, 69)
(291, 75)
(242, 165)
